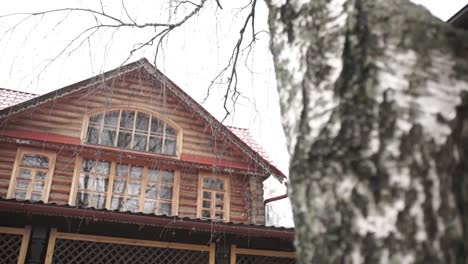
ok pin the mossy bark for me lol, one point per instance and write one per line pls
(375, 110)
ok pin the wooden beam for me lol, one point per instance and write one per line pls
(233, 254)
(133, 242)
(24, 244)
(269, 253)
(11, 230)
(212, 253)
(51, 246)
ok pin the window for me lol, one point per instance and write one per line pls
(133, 130)
(126, 187)
(32, 175)
(213, 197)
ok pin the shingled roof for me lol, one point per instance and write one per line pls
(10, 97)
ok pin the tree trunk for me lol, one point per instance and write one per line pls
(376, 114)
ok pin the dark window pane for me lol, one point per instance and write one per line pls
(155, 144)
(170, 131)
(142, 122)
(101, 183)
(150, 207)
(219, 197)
(136, 172)
(219, 216)
(22, 184)
(139, 142)
(207, 204)
(99, 201)
(206, 213)
(103, 167)
(153, 175)
(219, 206)
(167, 176)
(92, 136)
(133, 205)
(85, 182)
(124, 139)
(122, 170)
(82, 199)
(207, 195)
(157, 126)
(119, 186)
(170, 146)
(151, 191)
(127, 119)
(88, 165)
(41, 175)
(117, 203)
(36, 196)
(166, 192)
(38, 186)
(134, 188)
(19, 194)
(96, 119)
(165, 209)
(108, 137)
(112, 118)
(25, 173)
(35, 160)
(213, 183)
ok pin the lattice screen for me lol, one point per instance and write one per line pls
(75, 251)
(10, 245)
(250, 259)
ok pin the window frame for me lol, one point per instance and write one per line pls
(227, 197)
(179, 130)
(110, 188)
(21, 151)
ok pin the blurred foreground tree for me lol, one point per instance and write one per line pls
(375, 108)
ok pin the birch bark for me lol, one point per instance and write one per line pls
(375, 109)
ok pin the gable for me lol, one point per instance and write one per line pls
(61, 115)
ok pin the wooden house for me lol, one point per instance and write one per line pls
(125, 167)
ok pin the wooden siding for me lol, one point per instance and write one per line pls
(245, 206)
(7, 160)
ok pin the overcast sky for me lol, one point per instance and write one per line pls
(192, 56)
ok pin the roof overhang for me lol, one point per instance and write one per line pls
(39, 208)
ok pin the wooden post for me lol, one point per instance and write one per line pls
(212, 253)
(233, 254)
(24, 244)
(51, 245)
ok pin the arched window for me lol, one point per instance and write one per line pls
(132, 129)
